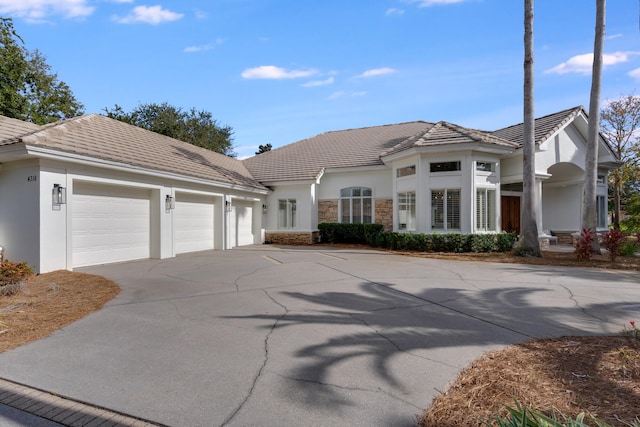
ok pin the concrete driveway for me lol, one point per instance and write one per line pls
(307, 336)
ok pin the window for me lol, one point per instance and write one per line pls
(287, 213)
(407, 211)
(406, 171)
(601, 211)
(445, 166)
(445, 209)
(600, 179)
(485, 166)
(355, 205)
(516, 186)
(485, 209)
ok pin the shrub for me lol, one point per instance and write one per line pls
(12, 275)
(521, 416)
(584, 245)
(613, 240)
(505, 242)
(483, 242)
(14, 272)
(333, 232)
(628, 249)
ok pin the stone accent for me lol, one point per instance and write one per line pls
(327, 211)
(292, 238)
(564, 237)
(384, 213)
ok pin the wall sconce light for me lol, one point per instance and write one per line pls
(227, 206)
(264, 209)
(58, 195)
(169, 203)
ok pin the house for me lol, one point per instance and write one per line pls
(429, 178)
(92, 190)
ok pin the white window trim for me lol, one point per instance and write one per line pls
(445, 221)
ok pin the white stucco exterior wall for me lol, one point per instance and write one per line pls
(20, 211)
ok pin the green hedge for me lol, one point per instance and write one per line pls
(373, 235)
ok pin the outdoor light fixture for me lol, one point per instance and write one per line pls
(227, 206)
(264, 209)
(169, 203)
(58, 195)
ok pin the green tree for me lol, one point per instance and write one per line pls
(620, 122)
(192, 126)
(264, 148)
(29, 90)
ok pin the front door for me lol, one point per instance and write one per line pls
(510, 214)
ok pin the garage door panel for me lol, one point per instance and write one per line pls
(110, 224)
(193, 223)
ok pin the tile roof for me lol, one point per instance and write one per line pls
(444, 133)
(11, 129)
(304, 160)
(103, 138)
(545, 126)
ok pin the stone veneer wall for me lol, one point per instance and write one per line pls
(327, 211)
(292, 238)
(384, 213)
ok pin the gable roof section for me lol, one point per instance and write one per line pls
(100, 137)
(12, 129)
(545, 126)
(444, 133)
(306, 159)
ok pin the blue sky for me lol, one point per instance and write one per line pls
(278, 71)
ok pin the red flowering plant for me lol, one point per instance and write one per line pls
(632, 331)
(12, 275)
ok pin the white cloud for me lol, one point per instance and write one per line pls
(122, 1)
(613, 36)
(583, 64)
(203, 48)
(38, 10)
(394, 11)
(343, 94)
(149, 15)
(376, 72)
(428, 3)
(316, 83)
(275, 73)
(635, 73)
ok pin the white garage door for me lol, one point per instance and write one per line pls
(193, 223)
(242, 224)
(109, 224)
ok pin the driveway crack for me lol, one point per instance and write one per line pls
(347, 388)
(572, 297)
(264, 362)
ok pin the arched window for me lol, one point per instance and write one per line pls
(355, 205)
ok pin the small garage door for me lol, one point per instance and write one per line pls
(193, 223)
(242, 224)
(109, 224)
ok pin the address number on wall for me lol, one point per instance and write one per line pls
(32, 178)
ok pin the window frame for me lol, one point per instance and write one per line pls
(486, 208)
(407, 199)
(602, 211)
(447, 210)
(406, 171)
(289, 220)
(444, 167)
(365, 194)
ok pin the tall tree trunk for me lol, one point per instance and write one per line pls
(616, 202)
(529, 244)
(589, 209)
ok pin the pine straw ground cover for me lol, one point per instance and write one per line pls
(597, 375)
(49, 302)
